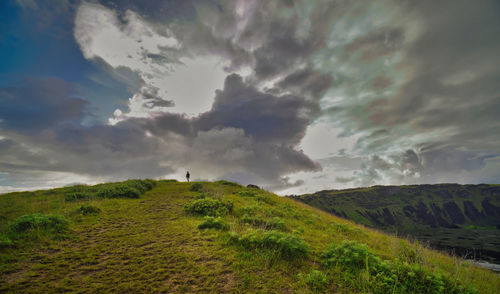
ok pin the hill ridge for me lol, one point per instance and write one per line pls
(207, 237)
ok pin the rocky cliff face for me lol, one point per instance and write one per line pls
(446, 215)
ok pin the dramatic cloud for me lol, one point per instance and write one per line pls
(222, 143)
(40, 104)
(295, 96)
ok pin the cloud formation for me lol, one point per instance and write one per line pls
(40, 104)
(398, 91)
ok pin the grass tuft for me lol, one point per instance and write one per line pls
(89, 209)
(211, 222)
(228, 183)
(356, 260)
(36, 221)
(209, 207)
(127, 189)
(196, 187)
(286, 245)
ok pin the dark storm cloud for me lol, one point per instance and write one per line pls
(447, 109)
(285, 44)
(263, 116)
(420, 91)
(225, 140)
(307, 82)
(39, 104)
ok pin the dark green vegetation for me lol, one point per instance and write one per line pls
(127, 189)
(220, 238)
(463, 218)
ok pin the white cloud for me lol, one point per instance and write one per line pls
(323, 139)
(135, 44)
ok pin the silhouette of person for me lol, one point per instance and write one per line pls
(187, 176)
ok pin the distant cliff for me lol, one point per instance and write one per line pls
(464, 218)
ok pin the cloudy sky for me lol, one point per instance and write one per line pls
(294, 96)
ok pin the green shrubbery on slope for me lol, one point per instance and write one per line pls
(218, 240)
(126, 189)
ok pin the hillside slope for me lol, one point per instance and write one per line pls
(465, 218)
(133, 237)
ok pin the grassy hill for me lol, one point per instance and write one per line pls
(465, 218)
(166, 236)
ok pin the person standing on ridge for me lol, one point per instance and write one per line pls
(187, 176)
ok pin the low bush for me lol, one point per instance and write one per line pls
(168, 181)
(53, 223)
(34, 226)
(76, 196)
(349, 255)
(394, 276)
(228, 183)
(196, 187)
(118, 191)
(89, 209)
(126, 189)
(286, 245)
(209, 207)
(140, 185)
(211, 222)
(255, 220)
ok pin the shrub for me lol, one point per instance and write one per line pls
(168, 181)
(196, 187)
(256, 220)
(317, 280)
(209, 206)
(228, 183)
(50, 223)
(140, 185)
(76, 196)
(386, 276)
(89, 209)
(118, 191)
(405, 278)
(349, 255)
(286, 245)
(126, 189)
(213, 223)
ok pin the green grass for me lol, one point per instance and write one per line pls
(154, 244)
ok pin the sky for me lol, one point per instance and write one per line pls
(293, 96)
